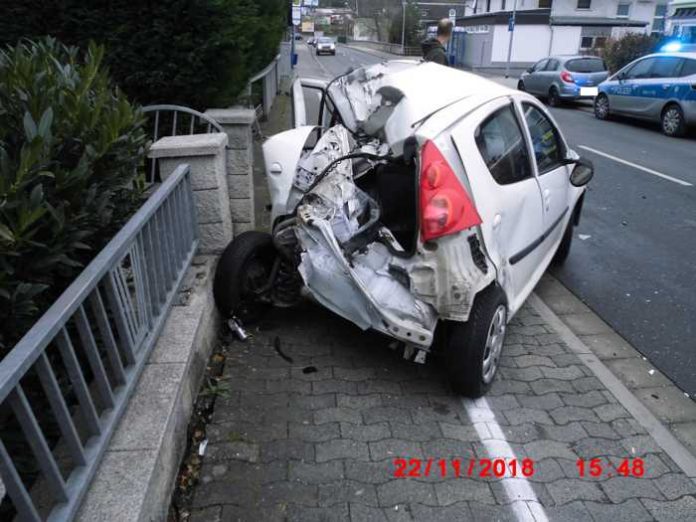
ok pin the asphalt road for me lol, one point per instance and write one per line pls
(633, 255)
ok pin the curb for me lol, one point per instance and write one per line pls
(594, 355)
(135, 480)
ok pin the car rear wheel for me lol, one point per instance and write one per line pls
(520, 86)
(673, 123)
(601, 107)
(242, 273)
(554, 98)
(473, 349)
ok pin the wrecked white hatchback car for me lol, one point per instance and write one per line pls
(417, 198)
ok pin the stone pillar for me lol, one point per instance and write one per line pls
(206, 155)
(237, 123)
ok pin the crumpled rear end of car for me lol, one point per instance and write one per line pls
(357, 226)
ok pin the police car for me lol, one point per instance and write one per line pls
(657, 87)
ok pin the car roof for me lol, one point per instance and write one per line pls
(568, 57)
(438, 85)
(675, 54)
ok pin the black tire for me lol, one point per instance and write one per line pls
(673, 122)
(564, 247)
(554, 99)
(601, 107)
(244, 266)
(466, 345)
(520, 86)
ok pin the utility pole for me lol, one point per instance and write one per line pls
(403, 28)
(511, 28)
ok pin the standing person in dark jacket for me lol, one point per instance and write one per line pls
(434, 49)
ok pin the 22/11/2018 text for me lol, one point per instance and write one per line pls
(497, 468)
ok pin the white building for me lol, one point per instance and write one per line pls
(682, 20)
(546, 27)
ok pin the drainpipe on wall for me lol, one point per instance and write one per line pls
(550, 39)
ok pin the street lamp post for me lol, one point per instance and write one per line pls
(512, 34)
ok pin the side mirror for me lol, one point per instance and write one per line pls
(530, 70)
(582, 173)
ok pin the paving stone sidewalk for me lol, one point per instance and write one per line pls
(318, 410)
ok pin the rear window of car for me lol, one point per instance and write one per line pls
(325, 40)
(586, 65)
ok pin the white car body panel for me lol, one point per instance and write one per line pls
(392, 102)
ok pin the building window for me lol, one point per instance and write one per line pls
(658, 26)
(545, 4)
(584, 4)
(592, 43)
(623, 10)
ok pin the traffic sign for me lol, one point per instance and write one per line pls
(296, 15)
(453, 15)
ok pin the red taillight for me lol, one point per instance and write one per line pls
(567, 77)
(445, 207)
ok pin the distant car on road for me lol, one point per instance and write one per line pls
(326, 45)
(311, 41)
(564, 78)
(298, 37)
(658, 87)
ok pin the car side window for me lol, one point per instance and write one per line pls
(552, 65)
(540, 65)
(546, 142)
(501, 144)
(665, 67)
(640, 69)
(688, 68)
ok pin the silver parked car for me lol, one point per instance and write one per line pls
(564, 78)
(658, 87)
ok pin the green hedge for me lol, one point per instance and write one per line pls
(197, 53)
(622, 51)
(70, 149)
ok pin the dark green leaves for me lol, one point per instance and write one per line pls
(70, 149)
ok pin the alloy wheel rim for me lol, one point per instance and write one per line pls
(494, 343)
(671, 121)
(602, 107)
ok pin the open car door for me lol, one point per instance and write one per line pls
(309, 105)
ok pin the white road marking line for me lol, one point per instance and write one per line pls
(524, 502)
(639, 167)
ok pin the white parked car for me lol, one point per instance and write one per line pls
(423, 198)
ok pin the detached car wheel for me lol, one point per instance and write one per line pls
(473, 349)
(241, 275)
(601, 107)
(673, 123)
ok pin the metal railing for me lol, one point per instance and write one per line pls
(269, 88)
(68, 381)
(176, 120)
(387, 47)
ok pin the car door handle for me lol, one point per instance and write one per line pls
(547, 199)
(497, 220)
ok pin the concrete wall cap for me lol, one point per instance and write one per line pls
(234, 116)
(188, 145)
